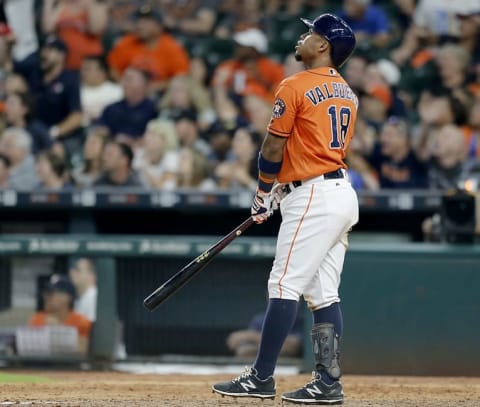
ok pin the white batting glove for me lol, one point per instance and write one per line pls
(261, 206)
(278, 193)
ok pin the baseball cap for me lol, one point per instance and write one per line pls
(252, 37)
(55, 42)
(62, 284)
(147, 11)
(389, 71)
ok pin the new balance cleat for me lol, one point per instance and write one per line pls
(316, 392)
(247, 385)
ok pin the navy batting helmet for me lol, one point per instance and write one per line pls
(337, 32)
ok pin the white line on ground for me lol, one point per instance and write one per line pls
(194, 369)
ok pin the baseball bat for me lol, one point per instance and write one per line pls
(182, 277)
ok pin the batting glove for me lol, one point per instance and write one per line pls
(261, 206)
(278, 193)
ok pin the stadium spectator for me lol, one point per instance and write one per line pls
(58, 98)
(117, 160)
(51, 171)
(184, 93)
(59, 297)
(236, 16)
(20, 19)
(433, 21)
(369, 22)
(119, 19)
(439, 17)
(193, 171)
(4, 170)
(84, 277)
(354, 72)
(220, 134)
(395, 161)
(200, 71)
(150, 48)
(79, 23)
(190, 17)
(91, 167)
(472, 131)
(361, 173)
(436, 110)
(59, 150)
(15, 82)
(188, 133)
(127, 118)
(228, 112)
(469, 31)
(16, 145)
(245, 342)
(453, 62)
(376, 101)
(257, 110)
(250, 69)
(157, 160)
(401, 14)
(381, 72)
(220, 141)
(19, 113)
(241, 170)
(448, 163)
(96, 91)
(387, 73)
(288, 7)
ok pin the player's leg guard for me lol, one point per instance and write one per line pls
(326, 350)
(325, 387)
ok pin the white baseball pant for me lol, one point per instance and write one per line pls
(312, 241)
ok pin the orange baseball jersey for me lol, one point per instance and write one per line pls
(262, 79)
(316, 110)
(72, 29)
(73, 319)
(166, 60)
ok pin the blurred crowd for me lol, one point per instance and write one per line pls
(166, 94)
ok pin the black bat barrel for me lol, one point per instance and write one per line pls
(182, 277)
(174, 283)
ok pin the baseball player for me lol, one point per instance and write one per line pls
(310, 129)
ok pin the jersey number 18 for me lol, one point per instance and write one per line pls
(339, 120)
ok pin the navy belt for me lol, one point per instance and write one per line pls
(337, 174)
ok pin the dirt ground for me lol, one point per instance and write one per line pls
(125, 389)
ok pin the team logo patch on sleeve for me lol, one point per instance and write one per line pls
(278, 108)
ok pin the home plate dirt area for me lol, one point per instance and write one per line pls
(62, 388)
